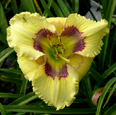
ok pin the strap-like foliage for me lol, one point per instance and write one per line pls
(16, 92)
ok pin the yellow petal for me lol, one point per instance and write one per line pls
(59, 23)
(92, 31)
(56, 92)
(23, 44)
(81, 64)
(22, 30)
(29, 67)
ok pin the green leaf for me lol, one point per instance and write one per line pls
(110, 94)
(24, 86)
(28, 6)
(9, 95)
(68, 6)
(2, 109)
(22, 114)
(75, 6)
(20, 7)
(24, 99)
(80, 101)
(111, 110)
(46, 8)
(105, 6)
(105, 90)
(5, 53)
(112, 47)
(114, 21)
(10, 76)
(87, 90)
(97, 76)
(14, 6)
(2, 38)
(48, 5)
(108, 17)
(109, 71)
(3, 21)
(56, 9)
(11, 70)
(51, 110)
(38, 8)
(63, 7)
(16, 81)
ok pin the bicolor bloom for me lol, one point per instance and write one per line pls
(55, 53)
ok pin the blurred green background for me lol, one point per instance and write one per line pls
(16, 96)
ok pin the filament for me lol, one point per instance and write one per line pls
(50, 41)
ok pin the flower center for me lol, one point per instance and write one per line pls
(58, 48)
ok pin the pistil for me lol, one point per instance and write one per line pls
(67, 60)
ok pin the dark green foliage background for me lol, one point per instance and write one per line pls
(16, 96)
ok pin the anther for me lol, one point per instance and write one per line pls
(58, 44)
(60, 47)
(61, 43)
(50, 41)
(48, 37)
(62, 51)
(54, 46)
(59, 39)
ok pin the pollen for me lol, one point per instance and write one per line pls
(61, 42)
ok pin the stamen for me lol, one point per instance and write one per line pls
(59, 39)
(61, 42)
(60, 48)
(67, 60)
(58, 44)
(62, 51)
(57, 56)
(50, 41)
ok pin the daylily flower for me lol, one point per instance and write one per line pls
(55, 53)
